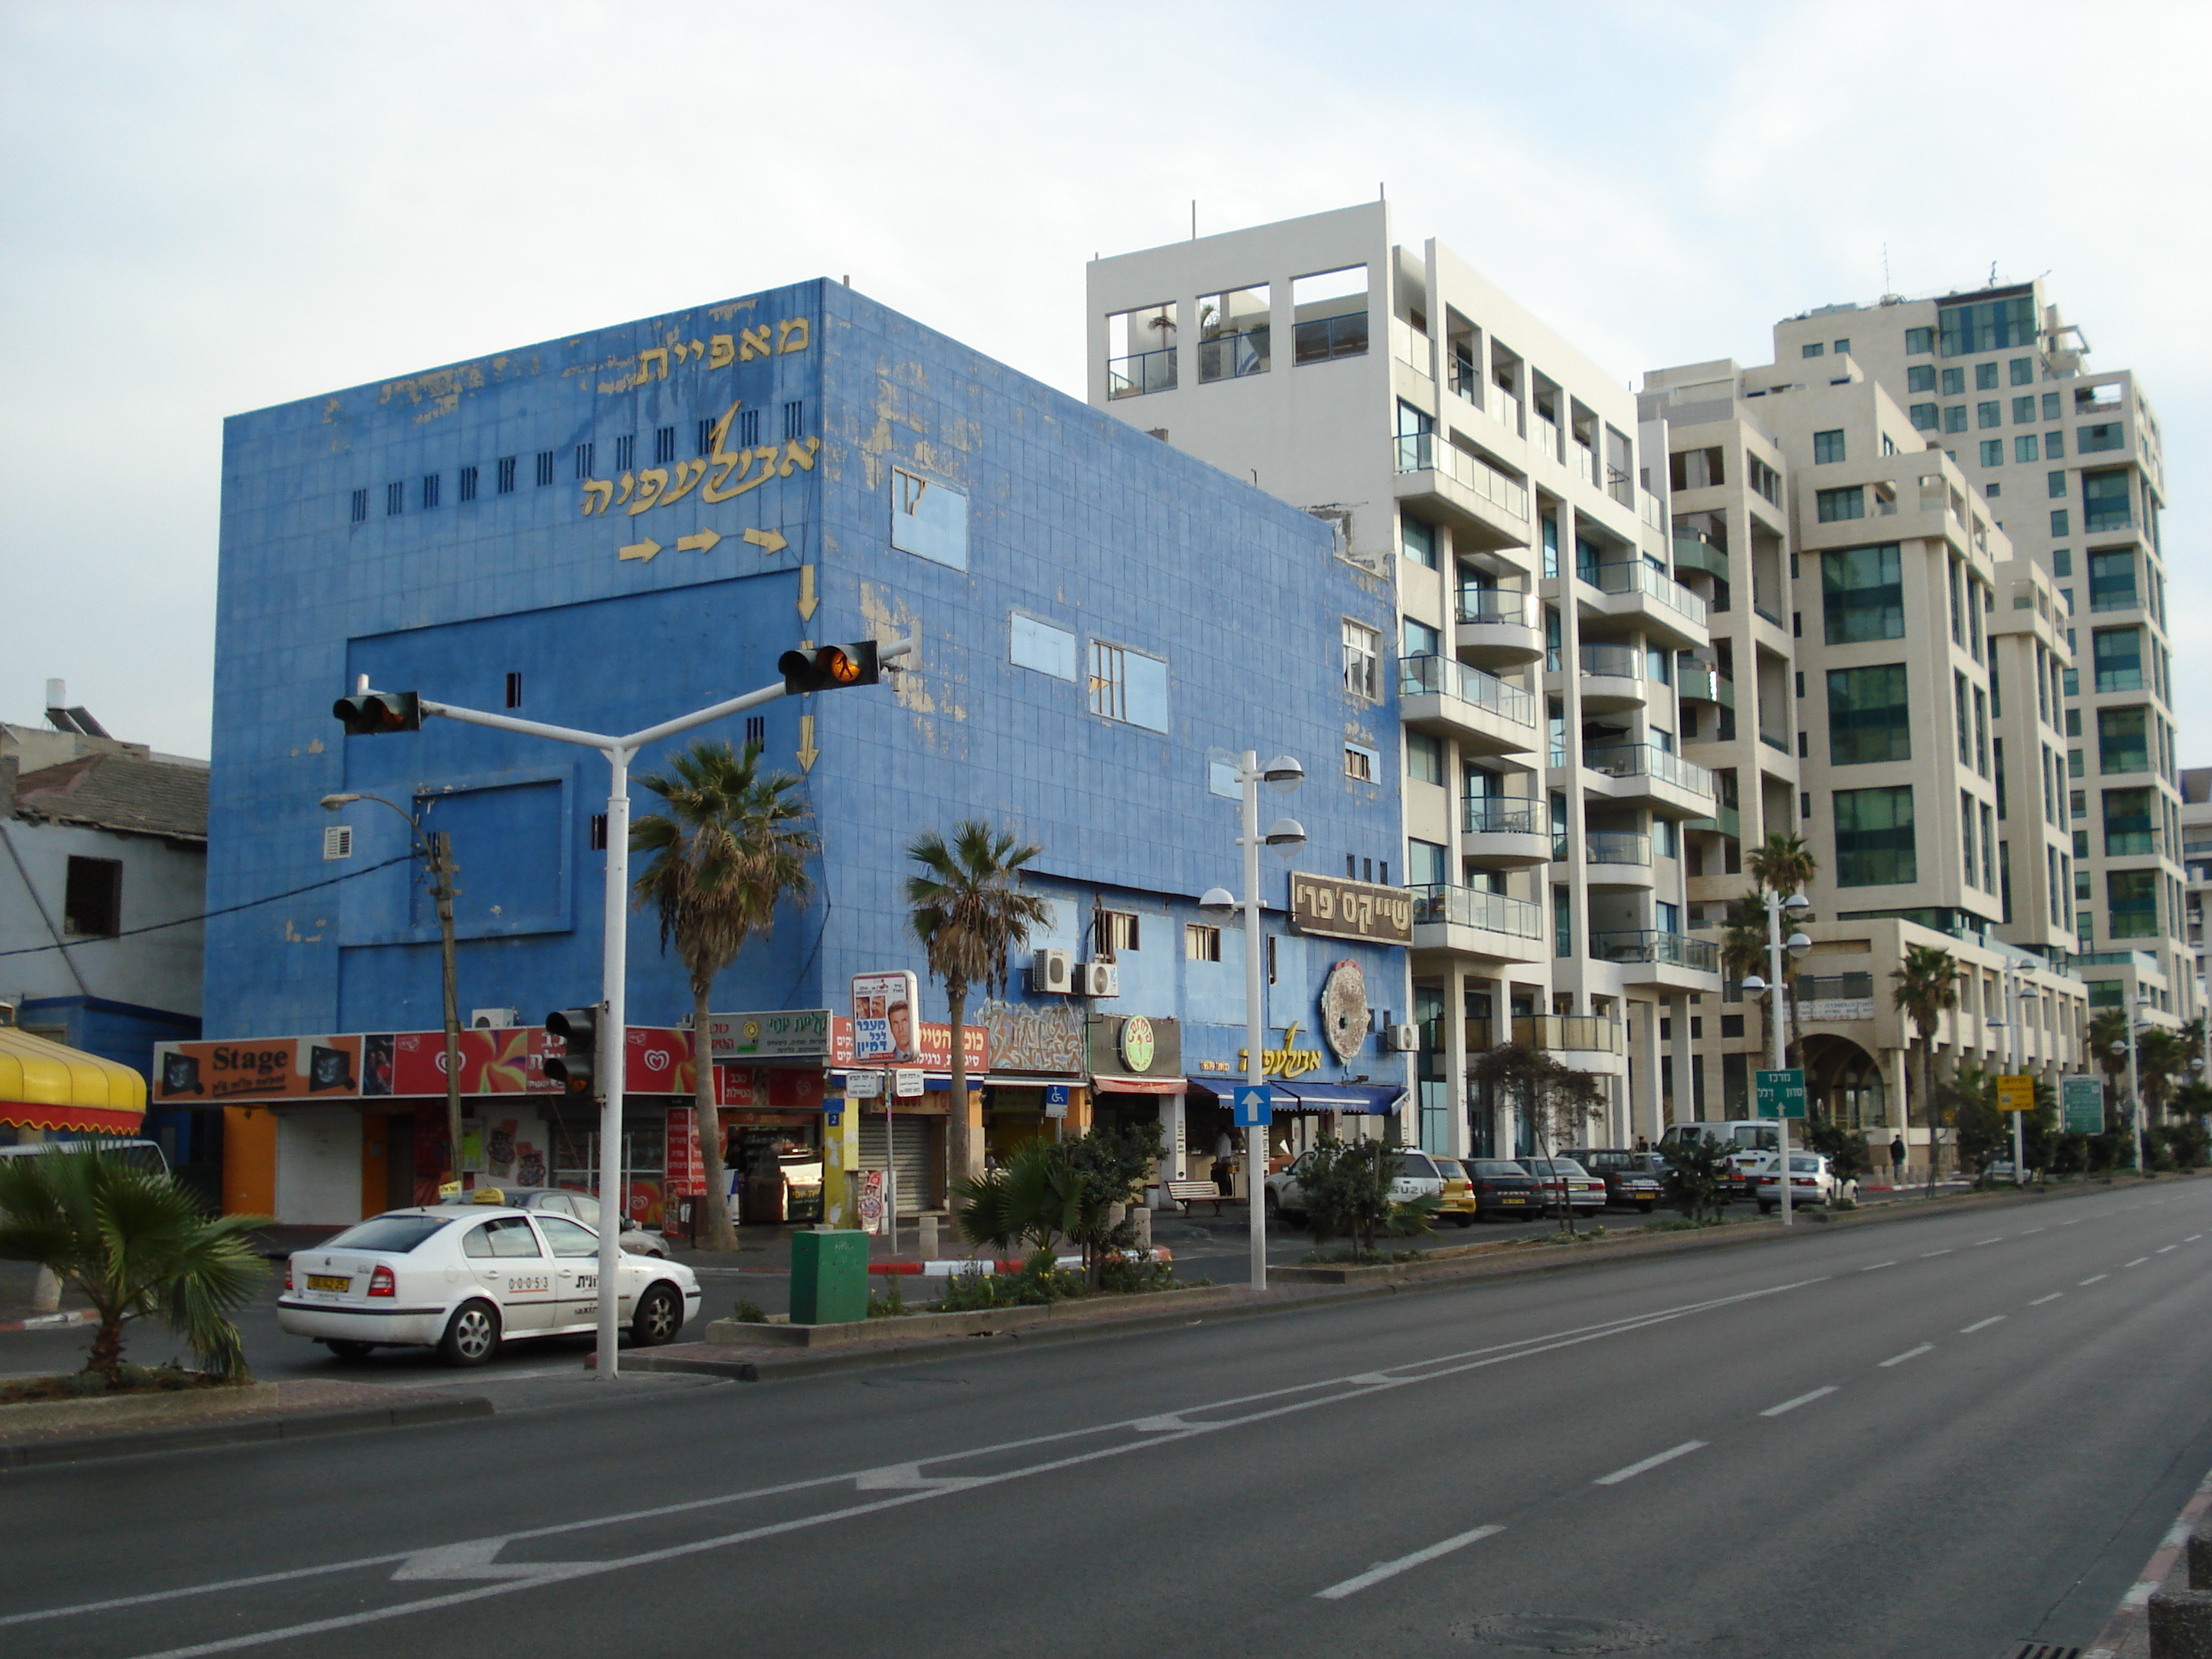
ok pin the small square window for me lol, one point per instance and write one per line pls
(1921, 377)
(1955, 382)
(2024, 450)
(1989, 415)
(2061, 521)
(1954, 418)
(1993, 451)
(92, 897)
(2023, 412)
(1813, 348)
(1843, 348)
(2054, 445)
(1202, 942)
(1918, 342)
(1358, 763)
(1985, 377)
(2049, 406)
(1827, 447)
(2023, 371)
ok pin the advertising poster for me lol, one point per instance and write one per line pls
(895, 999)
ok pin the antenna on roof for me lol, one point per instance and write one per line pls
(1886, 288)
(1993, 273)
(1194, 218)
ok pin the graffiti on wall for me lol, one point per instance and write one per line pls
(1047, 1037)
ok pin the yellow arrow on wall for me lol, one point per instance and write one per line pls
(703, 540)
(808, 754)
(806, 600)
(640, 551)
(768, 541)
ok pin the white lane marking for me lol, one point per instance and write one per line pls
(2076, 1222)
(2137, 1262)
(1453, 1364)
(1878, 1265)
(1651, 1462)
(2163, 1248)
(1382, 1570)
(2092, 1281)
(1925, 1254)
(1802, 1399)
(1981, 1325)
(473, 1560)
(1910, 1353)
(1999, 1239)
(2040, 1300)
(2193, 1239)
(2025, 1231)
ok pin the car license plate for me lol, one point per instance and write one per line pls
(328, 1282)
(1515, 1198)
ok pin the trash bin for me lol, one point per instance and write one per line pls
(829, 1277)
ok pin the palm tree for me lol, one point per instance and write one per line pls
(138, 1245)
(971, 916)
(1927, 986)
(732, 846)
(2108, 1041)
(2161, 1053)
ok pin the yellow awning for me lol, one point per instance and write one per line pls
(49, 1086)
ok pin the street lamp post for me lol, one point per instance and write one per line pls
(1285, 774)
(2134, 1088)
(1798, 944)
(436, 851)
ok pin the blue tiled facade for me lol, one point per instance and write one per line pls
(836, 435)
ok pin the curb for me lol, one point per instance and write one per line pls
(51, 1322)
(294, 1425)
(2132, 1615)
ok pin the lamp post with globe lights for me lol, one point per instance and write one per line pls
(1796, 944)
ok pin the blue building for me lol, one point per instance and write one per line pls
(612, 529)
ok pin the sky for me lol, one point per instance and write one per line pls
(207, 209)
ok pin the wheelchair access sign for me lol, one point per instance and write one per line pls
(1255, 1105)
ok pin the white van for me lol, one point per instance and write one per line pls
(140, 1154)
(1748, 1140)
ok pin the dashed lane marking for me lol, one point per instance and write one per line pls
(1999, 1239)
(1981, 1324)
(2040, 1300)
(1802, 1399)
(2093, 1280)
(1925, 1254)
(2137, 1262)
(1878, 1265)
(1910, 1353)
(1382, 1570)
(1651, 1462)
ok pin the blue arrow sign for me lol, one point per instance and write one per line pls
(1255, 1105)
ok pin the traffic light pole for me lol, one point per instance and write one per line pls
(613, 1042)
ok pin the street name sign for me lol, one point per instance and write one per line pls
(2016, 1094)
(1781, 1094)
(2081, 1099)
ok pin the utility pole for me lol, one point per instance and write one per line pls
(442, 871)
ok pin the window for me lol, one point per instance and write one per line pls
(433, 485)
(2088, 439)
(2128, 827)
(1417, 540)
(598, 835)
(2024, 450)
(395, 499)
(1827, 446)
(2023, 412)
(1873, 837)
(1128, 685)
(544, 468)
(1863, 594)
(794, 419)
(1967, 835)
(2060, 524)
(1955, 382)
(1954, 418)
(1427, 865)
(626, 452)
(1200, 943)
(360, 506)
(1986, 326)
(1964, 720)
(1764, 479)
(2131, 903)
(1813, 348)
(2054, 484)
(1115, 931)
(505, 483)
(1869, 715)
(1921, 377)
(1363, 673)
(513, 690)
(1834, 505)
(1233, 333)
(1697, 469)
(1993, 451)
(1040, 645)
(2112, 578)
(468, 483)
(2107, 502)
(92, 897)
(705, 440)
(1331, 311)
(1140, 354)
(1421, 640)
(757, 728)
(584, 455)
(664, 445)
(2118, 655)
(1988, 414)
(1985, 377)
(2123, 740)
(1924, 417)
(749, 429)
(1359, 763)
(1919, 341)
(2022, 370)
(1425, 756)
(928, 519)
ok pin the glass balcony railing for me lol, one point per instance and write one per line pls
(1473, 906)
(1580, 1031)
(1696, 553)
(1148, 371)
(1773, 740)
(1834, 988)
(1615, 662)
(1628, 759)
(1430, 676)
(1505, 815)
(2116, 599)
(1634, 577)
(1725, 820)
(1655, 516)
(1616, 846)
(1497, 605)
(1662, 949)
(1233, 356)
(1703, 685)
(1318, 339)
(1420, 452)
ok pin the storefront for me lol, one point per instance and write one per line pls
(1136, 1077)
(1039, 1077)
(50, 1091)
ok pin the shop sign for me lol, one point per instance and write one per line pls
(1154, 1049)
(1835, 1011)
(783, 1034)
(382, 1063)
(1289, 1060)
(274, 1068)
(769, 1088)
(687, 1164)
(1337, 908)
(935, 1047)
(1137, 1044)
(1043, 1038)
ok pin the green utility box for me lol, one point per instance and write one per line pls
(829, 1277)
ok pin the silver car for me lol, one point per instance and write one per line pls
(563, 1200)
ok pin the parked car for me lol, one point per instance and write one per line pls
(1811, 1180)
(560, 1201)
(1502, 1188)
(1456, 1201)
(1745, 1139)
(464, 1278)
(139, 1154)
(1565, 1180)
(1628, 1181)
(1417, 1177)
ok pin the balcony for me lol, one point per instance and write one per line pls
(1470, 921)
(1148, 371)
(1233, 356)
(1638, 775)
(1721, 821)
(1498, 625)
(1480, 501)
(1612, 677)
(1700, 684)
(1636, 592)
(1618, 860)
(1505, 832)
(1571, 1034)
(1674, 960)
(1696, 553)
(1647, 507)
(1320, 339)
(1488, 716)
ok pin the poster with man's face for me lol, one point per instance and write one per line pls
(894, 999)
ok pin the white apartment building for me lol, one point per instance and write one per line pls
(1548, 655)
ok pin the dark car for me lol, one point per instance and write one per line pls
(1502, 1188)
(1628, 1182)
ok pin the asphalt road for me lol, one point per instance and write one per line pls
(1938, 1437)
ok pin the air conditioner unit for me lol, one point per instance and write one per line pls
(1404, 1039)
(492, 1020)
(1098, 979)
(1052, 973)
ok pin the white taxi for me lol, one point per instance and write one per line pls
(463, 1280)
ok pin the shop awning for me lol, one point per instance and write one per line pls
(1138, 1086)
(49, 1086)
(1372, 1097)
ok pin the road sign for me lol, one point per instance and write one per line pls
(1055, 1100)
(1255, 1105)
(2016, 1094)
(907, 1084)
(2082, 1101)
(863, 1085)
(1781, 1094)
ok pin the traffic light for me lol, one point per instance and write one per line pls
(577, 1070)
(372, 712)
(828, 667)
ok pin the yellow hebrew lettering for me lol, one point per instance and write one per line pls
(629, 484)
(752, 343)
(796, 453)
(650, 483)
(597, 493)
(688, 474)
(645, 361)
(792, 334)
(743, 463)
(698, 350)
(721, 351)
(683, 352)
(722, 427)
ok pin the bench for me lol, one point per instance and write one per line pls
(1198, 1192)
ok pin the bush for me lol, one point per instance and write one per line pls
(749, 1312)
(1344, 1187)
(1038, 1283)
(890, 1306)
(1048, 1190)
(1697, 1181)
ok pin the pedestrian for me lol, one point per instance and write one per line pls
(1897, 1160)
(1224, 1149)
